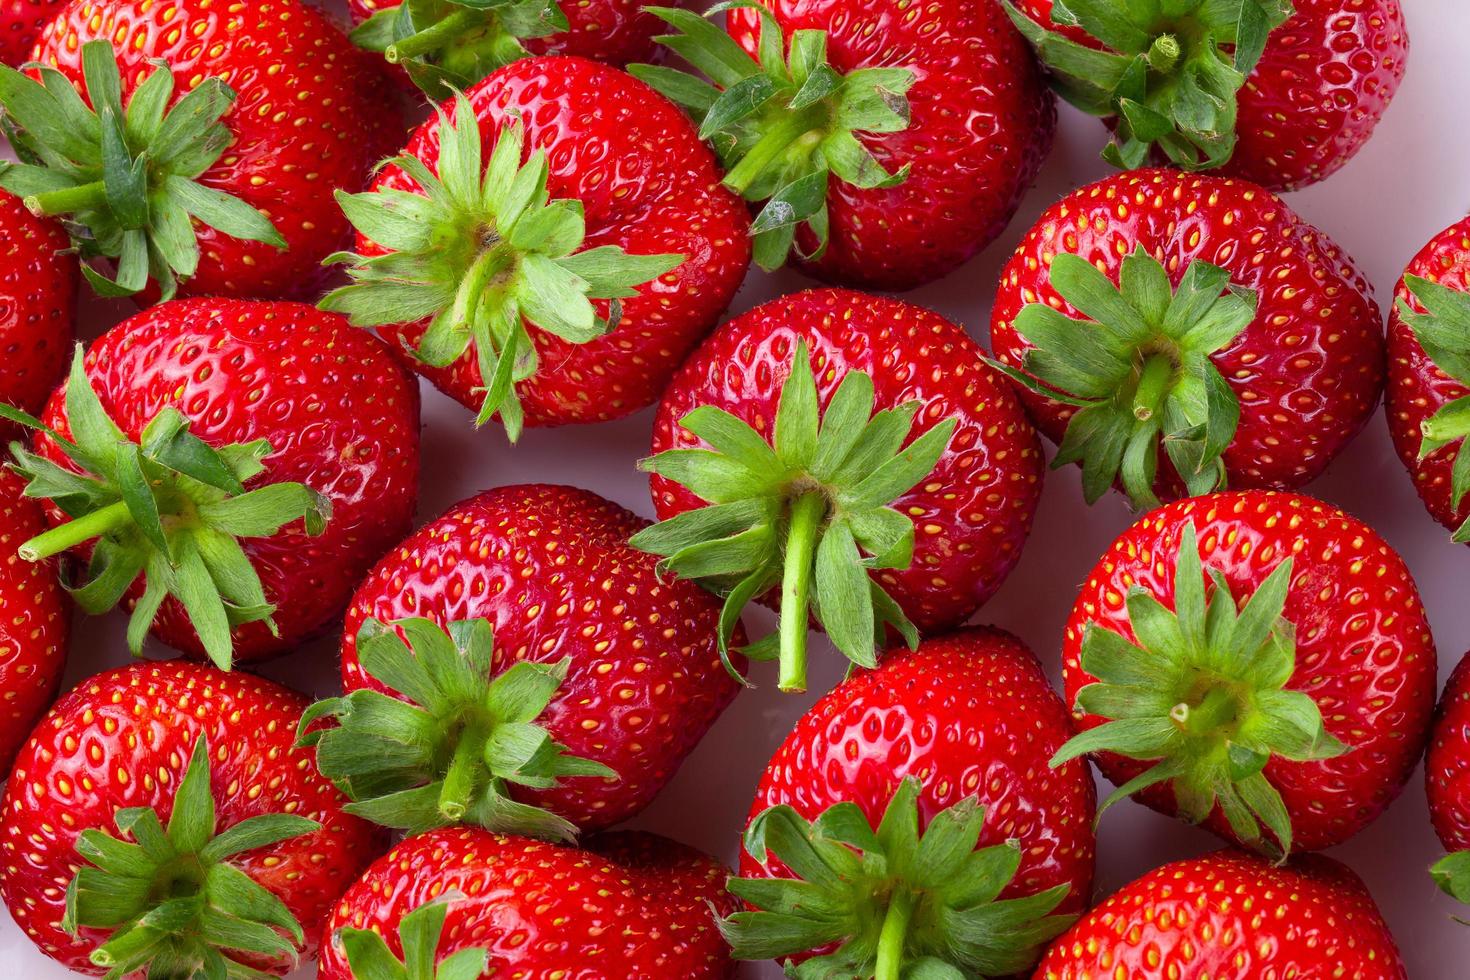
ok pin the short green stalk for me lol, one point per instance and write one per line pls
(808, 513)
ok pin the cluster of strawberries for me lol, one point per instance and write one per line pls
(556, 244)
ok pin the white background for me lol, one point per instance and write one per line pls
(1410, 182)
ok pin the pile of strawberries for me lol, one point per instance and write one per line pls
(236, 466)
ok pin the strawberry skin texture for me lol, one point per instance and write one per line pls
(1417, 389)
(649, 186)
(341, 414)
(628, 904)
(1364, 651)
(1231, 914)
(1308, 371)
(550, 568)
(982, 123)
(37, 306)
(1323, 82)
(1447, 766)
(311, 115)
(21, 22)
(971, 515)
(34, 621)
(970, 714)
(123, 739)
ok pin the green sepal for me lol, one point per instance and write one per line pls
(1169, 73)
(480, 253)
(1444, 333)
(1452, 874)
(1137, 370)
(808, 511)
(451, 746)
(174, 903)
(1203, 695)
(784, 124)
(124, 179)
(448, 45)
(169, 507)
(896, 902)
(369, 958)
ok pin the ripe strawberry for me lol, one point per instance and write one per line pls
(886, 150)
(34, 621)
(21, 22)
(955, 737)
(564, 278)
(214, 178)
(931, 497)
(1230, 914)
(1429, 375)
(38, 287)
(1242, 339)
(1447, 781)
(203, 430)
(1280, 92)
(1252, 658)
(238, 845)
(600, 671)
(444, 43)
(629, 905)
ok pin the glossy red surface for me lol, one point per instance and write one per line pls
(21, 22)
(1447, 766)
(38, 288)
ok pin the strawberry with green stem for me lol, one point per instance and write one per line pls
(1447, 783)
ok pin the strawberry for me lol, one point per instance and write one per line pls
(159, 821)
(1193, 313)
(549, 246)
(232, 467)
(884, 150)
(21, 22)
(629, 905)
(1428, 390)
(953, 737)
(446, 44)
(549, 682)
(771, 468)
(1447, 782)
(38, 284)
(1252, 658)
(1279, 92)
(202, 156)
(1231, 914)
(34, 621)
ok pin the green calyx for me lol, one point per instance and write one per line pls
(1138, 371)
(124, 179)
(1452, 874)
(168, 507)
(369, 958)
(901, 904)
(176, 907)
(807, 511)
(451, 44)
(1444, 333)
(452, 747)
(480, 253)
(1203, 695)
(784, 124)
(1170, 73)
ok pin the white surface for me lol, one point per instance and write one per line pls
(1408, 183)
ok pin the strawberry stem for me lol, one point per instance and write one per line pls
(66, 199)
(1154, 384)
(434, 37)
(781, 137)
(99, 522)
(892, 940)
(807, 514)
(464, 769)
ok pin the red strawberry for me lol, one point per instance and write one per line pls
(588, 253)
(21, 22)
(1429, 375)
(1243, 341)
(887, 149)
(932, 496)
(1280, 92)
(1447, 781)
(34, 621)
(1230, 914)
(268, 108)
(192, 424)
(962, 728)
(172, 791)
(575, 683)
(38, 286)
(628, 905)
(1252, 658)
